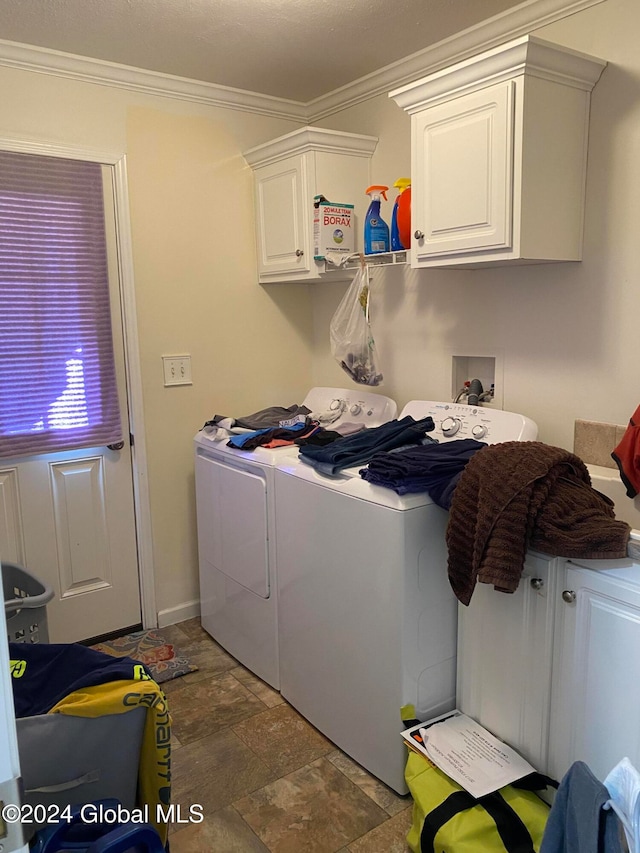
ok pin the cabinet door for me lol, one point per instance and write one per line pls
(284, 217)
(595, 712)
(463, 174)
(504, 660)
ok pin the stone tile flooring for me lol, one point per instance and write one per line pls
(265, 778)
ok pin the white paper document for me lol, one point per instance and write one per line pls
(468, 753)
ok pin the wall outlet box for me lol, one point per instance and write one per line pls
(487, 368)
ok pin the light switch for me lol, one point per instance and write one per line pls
(177, 369)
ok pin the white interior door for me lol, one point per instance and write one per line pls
(69, 516)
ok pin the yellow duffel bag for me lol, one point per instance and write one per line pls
(447, 819)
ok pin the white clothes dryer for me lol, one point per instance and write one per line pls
(367, 619)
(236, 531)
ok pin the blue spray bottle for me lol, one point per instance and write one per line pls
(376, 230)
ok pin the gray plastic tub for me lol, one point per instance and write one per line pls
(25, 604)
(67, 761)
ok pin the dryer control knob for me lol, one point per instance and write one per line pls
(355, 409)
(479, 431)
(450, 426)
(334, 405)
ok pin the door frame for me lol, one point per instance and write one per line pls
(133, 374)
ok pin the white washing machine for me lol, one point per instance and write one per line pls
(367, 620)
(236, 531)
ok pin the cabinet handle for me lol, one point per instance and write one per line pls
(536, 583)
(568, 595)
(418, 235)
(299, 253)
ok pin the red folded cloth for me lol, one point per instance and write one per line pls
(627, 455)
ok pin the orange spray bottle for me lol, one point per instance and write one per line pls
(401, 220)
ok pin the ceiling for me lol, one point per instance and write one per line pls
(293, 49)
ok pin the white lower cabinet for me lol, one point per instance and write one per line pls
(554, 669)
(595, 700)
(505, 651)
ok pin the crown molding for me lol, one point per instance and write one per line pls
(311, 139)
(516, 22)
(527, 55)
(519, 21)
(87, 70)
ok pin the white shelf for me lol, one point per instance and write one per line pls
(377, 260)
(382, 258)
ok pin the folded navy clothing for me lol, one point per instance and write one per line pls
(432, 468)
(360, 447)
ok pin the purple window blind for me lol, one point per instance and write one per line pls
(57, 375)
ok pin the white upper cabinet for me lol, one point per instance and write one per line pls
(288, 173)
(499, 152)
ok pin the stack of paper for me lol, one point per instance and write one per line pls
(467, 753)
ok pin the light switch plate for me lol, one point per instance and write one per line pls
(177, 369)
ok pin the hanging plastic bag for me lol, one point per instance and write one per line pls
(352, 343)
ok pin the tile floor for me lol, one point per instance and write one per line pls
(265, 778)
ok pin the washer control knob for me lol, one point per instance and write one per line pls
(355, 409)
(334, 405)
(479, 431)
(450, 426)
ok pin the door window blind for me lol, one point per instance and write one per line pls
(57, 373)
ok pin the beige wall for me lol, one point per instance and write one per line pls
(196, 289)
(568, 334)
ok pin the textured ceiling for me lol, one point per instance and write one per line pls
(295, 49)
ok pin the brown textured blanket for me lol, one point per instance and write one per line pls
(517, 495)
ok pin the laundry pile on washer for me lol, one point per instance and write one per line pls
(359, 449)
(278, 426)
(433, 468)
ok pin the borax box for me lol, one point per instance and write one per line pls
(333, 229)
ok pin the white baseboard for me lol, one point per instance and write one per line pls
(173, 615)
